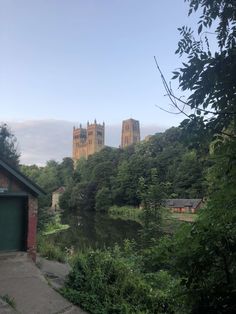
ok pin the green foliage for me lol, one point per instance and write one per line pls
(50, 250)
(9, 300)
(202, 254)
(109, 281)
(125, 212)
(50, 177)
(151, 196)
(45, 217)
(80, 196)
(112, 176)
(103, 199)
(210, 75)
(8, 146)
(54, 225)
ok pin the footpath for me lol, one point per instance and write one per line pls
(22, 282)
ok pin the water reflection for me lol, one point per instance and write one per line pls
(96, 230)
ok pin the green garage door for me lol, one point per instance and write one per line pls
(12, 224)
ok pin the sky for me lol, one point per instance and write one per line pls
(70, 61)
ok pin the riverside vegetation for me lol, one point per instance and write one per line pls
(193, 269)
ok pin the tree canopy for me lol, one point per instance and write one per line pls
(208, 74)
(8, 145)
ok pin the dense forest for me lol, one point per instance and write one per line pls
(114, 176)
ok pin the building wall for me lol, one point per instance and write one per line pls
(95, 138)
(88, 141)
(32, 226)
(79, 143)
(183, 210)
(55, 200)
(130, 132)
(11, 186)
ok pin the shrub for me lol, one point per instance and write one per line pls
(103, 199)
(49, 250)
(108, 282)
(125, 212)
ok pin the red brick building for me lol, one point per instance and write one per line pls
(18, 211)
(183, 205)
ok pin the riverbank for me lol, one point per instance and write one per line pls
(126, 213)
(135, 214)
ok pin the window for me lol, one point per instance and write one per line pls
(135, 127)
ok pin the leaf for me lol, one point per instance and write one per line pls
(199, 29)
(174, 77)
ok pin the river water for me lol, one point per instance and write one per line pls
(95, 230)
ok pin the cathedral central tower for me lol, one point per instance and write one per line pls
(88, 141)
(130, 132)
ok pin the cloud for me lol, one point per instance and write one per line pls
(43, 140)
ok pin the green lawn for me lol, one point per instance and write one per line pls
(184, 216)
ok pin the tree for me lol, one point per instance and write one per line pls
(103, 199)
(202, 255)
(66, 170)
(208, 75)
(8, 146)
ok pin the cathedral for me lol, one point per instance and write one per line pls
(130, 132)
(90, 140)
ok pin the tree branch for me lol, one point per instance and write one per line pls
(171, 95)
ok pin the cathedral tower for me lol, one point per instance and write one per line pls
(79, 143)
(130, 132)
(88, 141)
(95, 137)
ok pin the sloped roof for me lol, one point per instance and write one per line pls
(60, 190)
(33, 187)
(182, 202)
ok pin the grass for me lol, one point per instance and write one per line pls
(9, 300)
(171, 221)
(49, 250)
(55, 226)
(188, 217)
(125, 213)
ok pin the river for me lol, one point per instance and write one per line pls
(95, 230)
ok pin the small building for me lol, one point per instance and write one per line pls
(18, 211)
(56, 197)
(183, 205)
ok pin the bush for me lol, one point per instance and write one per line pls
(49, 250)
(103, 199)
(109, 282)
(44, 218)
(125, 212)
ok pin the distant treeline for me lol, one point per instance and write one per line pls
(113, 176)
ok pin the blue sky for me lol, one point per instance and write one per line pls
(78, 60)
